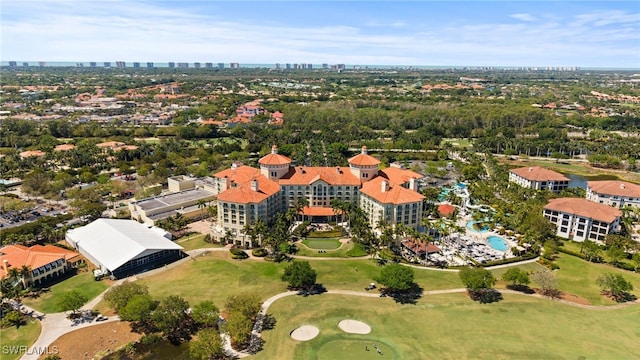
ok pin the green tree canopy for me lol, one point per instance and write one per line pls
(516, 276)
(299, 274)
(615, 285)
(208, 345)
(396, 277)
(171, 318)
(206, 314)
(477, 278)
(72, 301)
(119, 296)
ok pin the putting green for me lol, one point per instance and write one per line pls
(323, 244)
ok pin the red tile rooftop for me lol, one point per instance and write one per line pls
(537, 173)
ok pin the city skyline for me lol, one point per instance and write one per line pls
(482, 33)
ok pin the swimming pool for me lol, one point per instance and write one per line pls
(470, 226)
(497, 243)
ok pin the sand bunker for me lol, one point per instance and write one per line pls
(305, 333)
(354, 327)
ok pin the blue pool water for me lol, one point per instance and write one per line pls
(497, 243)
(461, 185)
(472, 228)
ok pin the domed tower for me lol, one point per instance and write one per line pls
(274, 165)
(364, 166)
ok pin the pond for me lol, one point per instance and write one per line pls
(579, 181)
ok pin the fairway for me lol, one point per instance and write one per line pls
(452, 327)
(83, 282)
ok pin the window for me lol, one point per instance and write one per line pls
(563, 229)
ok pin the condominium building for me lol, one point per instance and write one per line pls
(539, 178)
(614, 193)
(580, 219)
(246, 194)
(46, 263)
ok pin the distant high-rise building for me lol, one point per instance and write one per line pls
(220, 65)
(79, 64)
(172, 64)
(107, 64)
(341, 66)
(309, 66)
(25, 64)
(183, 65)
(287, 66)
(93, 64)
(208, 65)
(303, 66)
(121, 64)
(325, 66)
(42, 64)
(150, 65)
(13, 64)
(136, 65)
(277, 66)
(234, 65)
(196, 65)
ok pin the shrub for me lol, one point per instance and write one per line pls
(208, 238)
(259, 252)
(150, 339)
(238, 254)
(275, 258)
(548, 264)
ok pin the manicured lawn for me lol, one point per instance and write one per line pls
(23, 336)
(577, 276)
(82, 282)
(195, 241)
(324, 244)
(452, 327)
(336, 252)
(215, 277)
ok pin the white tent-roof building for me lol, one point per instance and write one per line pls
(123, 247)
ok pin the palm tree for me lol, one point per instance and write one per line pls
(25, 275)
(201, 206)
(299, 206)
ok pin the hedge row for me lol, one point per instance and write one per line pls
(527, 256)
(238, 253)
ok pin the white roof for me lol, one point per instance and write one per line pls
(113, 242)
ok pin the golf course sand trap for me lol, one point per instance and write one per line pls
(354, 327)
(305, 333)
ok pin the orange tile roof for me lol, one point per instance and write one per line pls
(33, 257)
(363, 159)
(399, 176)
(584, 208)
(420, 247)
(274, 158)
(239, 175)
(615, 188)
(30, 153)
(537, 173)
(306, 175)
(110, 144)
(395, 194)
(243, 194)
(318, 211)
(64, 147)
(446, 209)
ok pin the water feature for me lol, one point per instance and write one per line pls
(471, 225)
(579, 181)
(497, 243)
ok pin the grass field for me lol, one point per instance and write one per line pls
(577, 276)
(452, 327)
(324, 244)
(195, 241)
(83, 283)
(23, 336)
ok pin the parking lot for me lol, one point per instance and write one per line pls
(33, 210)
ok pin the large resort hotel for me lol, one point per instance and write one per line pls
(246, 194)
(539, 178)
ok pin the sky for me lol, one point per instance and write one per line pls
(601, 34)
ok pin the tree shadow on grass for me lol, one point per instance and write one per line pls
(485, 296)
(409, 296)
(521, 288)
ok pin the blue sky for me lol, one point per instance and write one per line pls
(439, 33)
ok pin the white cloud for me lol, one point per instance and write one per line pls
(59, 30)
(523, 17)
